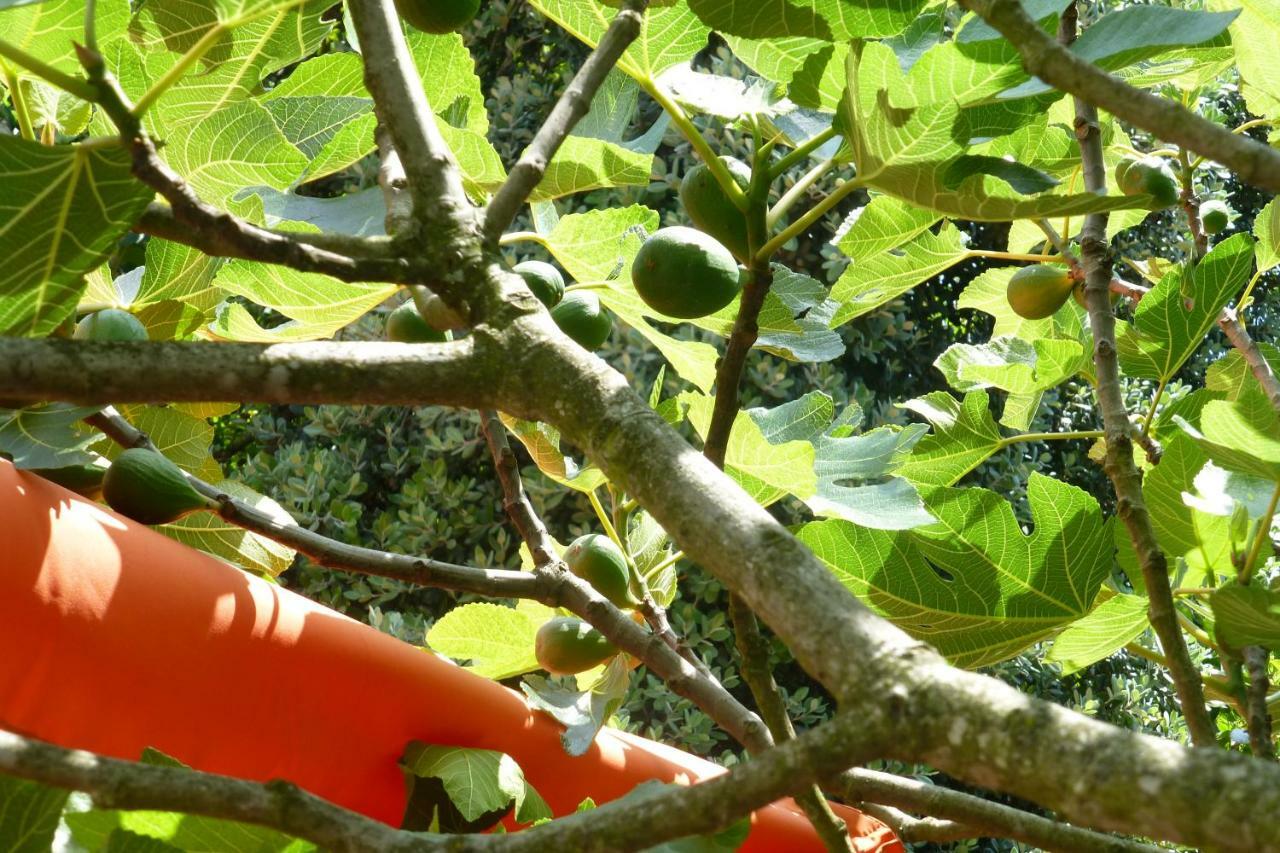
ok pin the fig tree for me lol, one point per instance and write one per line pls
(437, 16)
(566, 645)
(601, 563)
(145, 486)
(406, 326)
(1215, 216)
(580, 316)
(682, 272)
(1038, 291)
(711, 210)
(543, 280)
(110, 324)
(1148, 176)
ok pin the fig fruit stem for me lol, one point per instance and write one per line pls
(699, 142)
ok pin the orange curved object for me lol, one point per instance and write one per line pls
(117, 638)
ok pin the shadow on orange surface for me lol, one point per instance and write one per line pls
(117, 638)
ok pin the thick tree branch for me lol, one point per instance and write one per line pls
(967, 816)
(1119, 465)
(568, 111)
(1252, 161)
(117, 784)
(637, 822)
(459, 373)
(435, 182)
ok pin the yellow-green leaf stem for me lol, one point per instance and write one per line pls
(802, 224)
(74, 85)
(681, 120)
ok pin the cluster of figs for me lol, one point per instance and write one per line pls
(680, 272)
(1038, 291)
(566, 645)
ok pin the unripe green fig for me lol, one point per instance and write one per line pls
(601, 563)
(566, 645)
(684, 273)
(406, 326)
(110, 324)
(437, 16)
(1149, 176)
(1215, 216)
(1038, 291)
(145, 486)
(711, 210)
(84, 480)
(543, 280)
(580, 316)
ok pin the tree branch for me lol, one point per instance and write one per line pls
(459, 373)
(117, 784)
(1252, 161)
(568, 111)
(1119, 465)
(639, 821)
(534, 533)
(753, 648)
(515, 500)
(916, 830)
(968, 816)
(221, 234)
(195, 222)
(1258, 717)
(435, 182)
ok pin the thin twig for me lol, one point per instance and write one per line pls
(1119, 465)
(567, 112)
(515, 500)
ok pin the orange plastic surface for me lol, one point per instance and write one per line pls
(114, 638)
